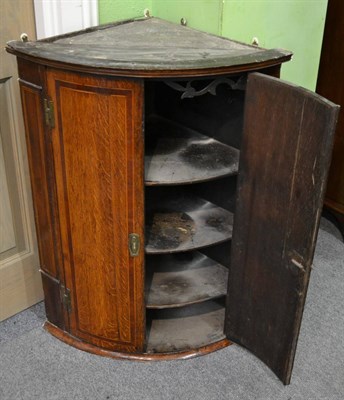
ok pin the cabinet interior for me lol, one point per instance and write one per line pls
(191, 164)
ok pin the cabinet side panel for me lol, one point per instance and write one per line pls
(288, 134)
(33, 119)
(99, 187)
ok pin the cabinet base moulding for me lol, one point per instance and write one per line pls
(182, 355)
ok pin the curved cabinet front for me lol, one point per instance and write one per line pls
(98, 156)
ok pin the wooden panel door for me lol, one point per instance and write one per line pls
(288, 135)
(20, 281)
(98, 155)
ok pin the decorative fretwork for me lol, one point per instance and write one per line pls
(189, 91)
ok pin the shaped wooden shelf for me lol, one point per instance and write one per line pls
(179, 329)
(183, 279)
(185, 223)
(178, 155)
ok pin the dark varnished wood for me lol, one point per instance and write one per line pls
(182, 355)
(181, 329)
(219, 117)
(100, 201)
(183, 222)
(177, 155)
(183, 279)
(52, 299)
(331, 85)
(38, 141)
(144, 48)
(288, 136)
(31, 96)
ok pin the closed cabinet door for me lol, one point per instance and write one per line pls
(288, 136)
(97, 139)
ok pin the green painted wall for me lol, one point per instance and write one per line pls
(205, 15)
(296, 25)
(116, 10)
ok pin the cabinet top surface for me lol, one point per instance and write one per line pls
(149, 44)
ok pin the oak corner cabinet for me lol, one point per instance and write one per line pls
(155, 241)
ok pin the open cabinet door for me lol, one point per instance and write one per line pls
(288, 135)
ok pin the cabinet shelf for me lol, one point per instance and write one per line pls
(174, 330)
(178, 155)
(185, 223)
(182, 279)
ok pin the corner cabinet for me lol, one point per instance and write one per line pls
(177, 191)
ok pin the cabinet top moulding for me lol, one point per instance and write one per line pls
(149, 47)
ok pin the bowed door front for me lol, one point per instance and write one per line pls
(97, 141)
(288, 135)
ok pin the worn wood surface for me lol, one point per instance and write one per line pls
(177, 155)
(181, 279)
(54, 309)
(151, 44)
(40, 156)
(181, 355)
(39, 150)
(174, 330)
(331, 85)
(288, 133)
(183, 223)
(98, 156)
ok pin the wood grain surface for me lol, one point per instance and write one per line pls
(288, 135)
(98, 154)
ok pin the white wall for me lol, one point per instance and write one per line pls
(54, 17)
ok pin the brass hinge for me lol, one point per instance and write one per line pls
(49, 113)
(65, 298)
(134, 244)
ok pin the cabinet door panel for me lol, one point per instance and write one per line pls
(98, 153)
(288, 134)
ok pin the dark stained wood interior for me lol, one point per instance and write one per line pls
(217, 116)
(176, 155)
(174, 330)
(182, 279)
(184, 222)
